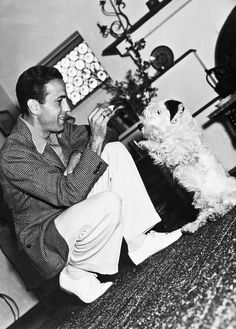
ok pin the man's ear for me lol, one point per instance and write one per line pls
(33, 106)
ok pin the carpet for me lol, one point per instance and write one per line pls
(189, 285)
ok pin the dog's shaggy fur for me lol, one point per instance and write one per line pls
(174, 140)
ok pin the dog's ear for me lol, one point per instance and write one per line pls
(173, 107)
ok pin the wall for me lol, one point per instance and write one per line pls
(30, 29)
(6, 104)
(187, 24)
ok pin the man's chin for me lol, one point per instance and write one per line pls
(58, 129)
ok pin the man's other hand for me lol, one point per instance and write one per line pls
(74, 159)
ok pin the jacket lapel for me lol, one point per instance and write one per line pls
(52, 157)
(66, 149)
(21, 132)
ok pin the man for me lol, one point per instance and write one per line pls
(73, 196)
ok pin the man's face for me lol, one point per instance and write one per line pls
(52, 114)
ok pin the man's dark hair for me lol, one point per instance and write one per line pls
(31, 84)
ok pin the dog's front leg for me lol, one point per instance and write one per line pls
(200, 221)
(147, 145)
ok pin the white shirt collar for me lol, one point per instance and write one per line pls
(39, 141)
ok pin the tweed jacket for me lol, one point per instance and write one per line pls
(37, 191)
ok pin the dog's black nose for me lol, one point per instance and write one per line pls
(140, 126)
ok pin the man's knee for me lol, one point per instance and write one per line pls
(116, 146)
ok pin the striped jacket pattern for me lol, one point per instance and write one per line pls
(37, 191)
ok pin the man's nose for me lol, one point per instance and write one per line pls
(66, 107)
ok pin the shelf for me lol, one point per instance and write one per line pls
(158, 75)
(222, 106)
(112, 50)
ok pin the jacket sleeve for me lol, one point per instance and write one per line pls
(78, 136)
(34, 175)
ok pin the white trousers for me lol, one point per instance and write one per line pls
(117, 206)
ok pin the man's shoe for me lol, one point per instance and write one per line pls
(88, 288)
(154, 242)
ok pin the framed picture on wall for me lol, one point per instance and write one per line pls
(81, 70)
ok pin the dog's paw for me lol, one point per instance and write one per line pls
(190, 228)
(213, 217)
(144, 145)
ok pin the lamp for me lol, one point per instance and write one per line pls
(120, 27)
(153, 3)
(161, 58)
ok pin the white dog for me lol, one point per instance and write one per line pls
(174, 140)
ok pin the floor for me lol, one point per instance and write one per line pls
(15, 300)
(189, 285)
(173, 205)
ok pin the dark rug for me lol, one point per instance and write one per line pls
(191, 284)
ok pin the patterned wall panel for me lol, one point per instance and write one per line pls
(81, 70)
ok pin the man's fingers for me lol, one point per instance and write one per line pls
(69, 170)
(100, 113)
(96, 114)
(74, 159)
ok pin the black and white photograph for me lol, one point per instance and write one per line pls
(118, 164)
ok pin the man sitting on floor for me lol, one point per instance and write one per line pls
(73, 196)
